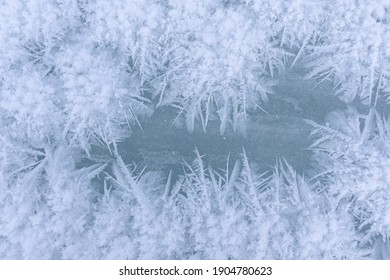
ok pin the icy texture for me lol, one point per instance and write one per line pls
(79, 80)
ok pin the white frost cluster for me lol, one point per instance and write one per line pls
(77, 74)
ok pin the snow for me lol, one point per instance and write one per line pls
(79, 79)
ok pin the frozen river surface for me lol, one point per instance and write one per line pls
(282, 132)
